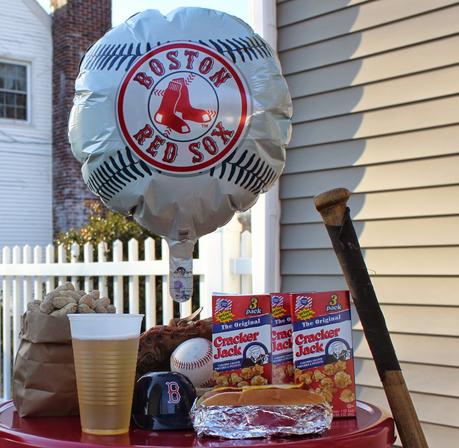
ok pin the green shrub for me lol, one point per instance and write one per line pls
(104, 226)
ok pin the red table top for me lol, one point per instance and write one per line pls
(372, 428)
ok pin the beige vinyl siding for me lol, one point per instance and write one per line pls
(348, 20)
(430, 201)
(405, 232)
(411, 31)
(410, 60)
(375, 87)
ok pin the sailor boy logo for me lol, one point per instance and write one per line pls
(183, 108)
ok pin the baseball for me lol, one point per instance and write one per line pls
(193, 358)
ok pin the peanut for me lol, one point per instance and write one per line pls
(104, 301)
(111, 309)
(67, 286)
(100, 309)
(46, 306)
(50, 296)
(67, 309)
(62, 292)
(35, 304)
(61, 301)
(95, 294)
(83, 308)
(73, 294)
(88, 300)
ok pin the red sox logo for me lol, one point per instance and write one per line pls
(182, 108)
(173, 392)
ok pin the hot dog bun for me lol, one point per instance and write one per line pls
(268, 396)
(222, 399)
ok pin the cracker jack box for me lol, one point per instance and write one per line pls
(322, 347)
(281, 335)
(241, 340)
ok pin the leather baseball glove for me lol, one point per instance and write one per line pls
(157, 344)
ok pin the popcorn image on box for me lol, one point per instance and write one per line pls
(322, 347)
(281, 335)
(241, 340)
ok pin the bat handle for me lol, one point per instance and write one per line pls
(332, 205)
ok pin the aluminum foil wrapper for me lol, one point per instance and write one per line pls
(180, 121)
(248, 422)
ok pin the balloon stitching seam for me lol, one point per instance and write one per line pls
(105, 56)
(253, 175)
(108, 179)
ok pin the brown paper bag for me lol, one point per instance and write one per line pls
(44, 381)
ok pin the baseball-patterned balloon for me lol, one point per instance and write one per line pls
(180, 121)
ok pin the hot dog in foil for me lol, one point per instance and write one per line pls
(257, 412)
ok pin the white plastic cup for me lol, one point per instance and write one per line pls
(105, 350)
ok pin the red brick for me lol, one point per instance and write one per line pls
(77, 24)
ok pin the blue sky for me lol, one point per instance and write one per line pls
(122, 9)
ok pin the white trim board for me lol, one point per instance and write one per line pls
(266, 212)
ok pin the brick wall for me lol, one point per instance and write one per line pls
(76, 25)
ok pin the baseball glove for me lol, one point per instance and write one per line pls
(157, 344)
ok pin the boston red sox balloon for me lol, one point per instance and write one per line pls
(180, 120)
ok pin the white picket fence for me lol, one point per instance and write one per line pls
(28, 273)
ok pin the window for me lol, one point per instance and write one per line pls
(13, 91)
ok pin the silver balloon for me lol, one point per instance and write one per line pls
(180, 121)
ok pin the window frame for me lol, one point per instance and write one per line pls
(16, 121)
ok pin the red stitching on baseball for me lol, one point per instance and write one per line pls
(158, 92)
(190, 365)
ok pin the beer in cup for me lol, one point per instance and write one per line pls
(105, 352)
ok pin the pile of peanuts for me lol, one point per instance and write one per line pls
(65, 300)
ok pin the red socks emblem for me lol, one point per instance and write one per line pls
(176, 99)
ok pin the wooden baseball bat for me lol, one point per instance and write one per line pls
(332, 205)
